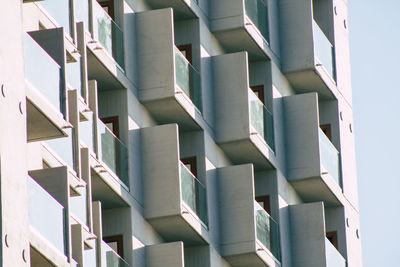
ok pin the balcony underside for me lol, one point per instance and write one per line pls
(250, 259)
(182, 8)
(245, 151)
(239, 39)
(312, 80)
(175, 109)
(321, 188)
(177, 228)
(43, 121)
(103, 69)
(106, 188)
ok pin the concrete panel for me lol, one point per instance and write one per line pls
(308, 235)
(197, 256)
(155, 35)
(296, 34)
(166, 254)
(342, 49)
(237, 221)
(160, 149)
(302, 124)
(231, 83)
(222, 9)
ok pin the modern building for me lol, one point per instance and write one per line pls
(157, 133)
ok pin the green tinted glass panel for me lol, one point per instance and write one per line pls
(187, 78)
(261, 120)
(257, 12)
(108, 33)
(330, 157)
(110, 258)
(267, 231)
(194, 193)
(113, 152)
(324, 50)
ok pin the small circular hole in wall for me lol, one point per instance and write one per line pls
(24, 255)
(3, 90)
(20, 108)
(6, 241)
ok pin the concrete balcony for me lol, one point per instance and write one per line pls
(165, 254)
(48, 224)
(250, 237)
(57, 190)
(176, 201)
(308, 49)
(46, 90)
(245, 127)
(173, 93)
(313, 162)
(310, 244)
(183, 9)
(242, 25)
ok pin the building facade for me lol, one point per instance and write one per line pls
(177, 133)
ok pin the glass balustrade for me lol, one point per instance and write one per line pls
(261, 119)
(63, 148)
(267, 231)
(330, 157)
(90, 258)
(108, 33)
(78, 206)
(59, 10)
(46, 215)
(110, 258)
(187, 78)
(74, 77)
(82, 12)
(86, 133)
(194, 193)
(42, 72)
(333, 257)
(324, 50)
(113, 152)
(257, 12)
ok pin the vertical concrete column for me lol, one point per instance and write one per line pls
(14, 245)
(73, 110)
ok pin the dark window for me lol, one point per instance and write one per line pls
(332, 237)
(326, 128)
(264, 202)
(259, 92)
(186, 50)
(116, 243)
(108, 6)
(190, 163)
(112, 124)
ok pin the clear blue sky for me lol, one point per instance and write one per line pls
(375, 57)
